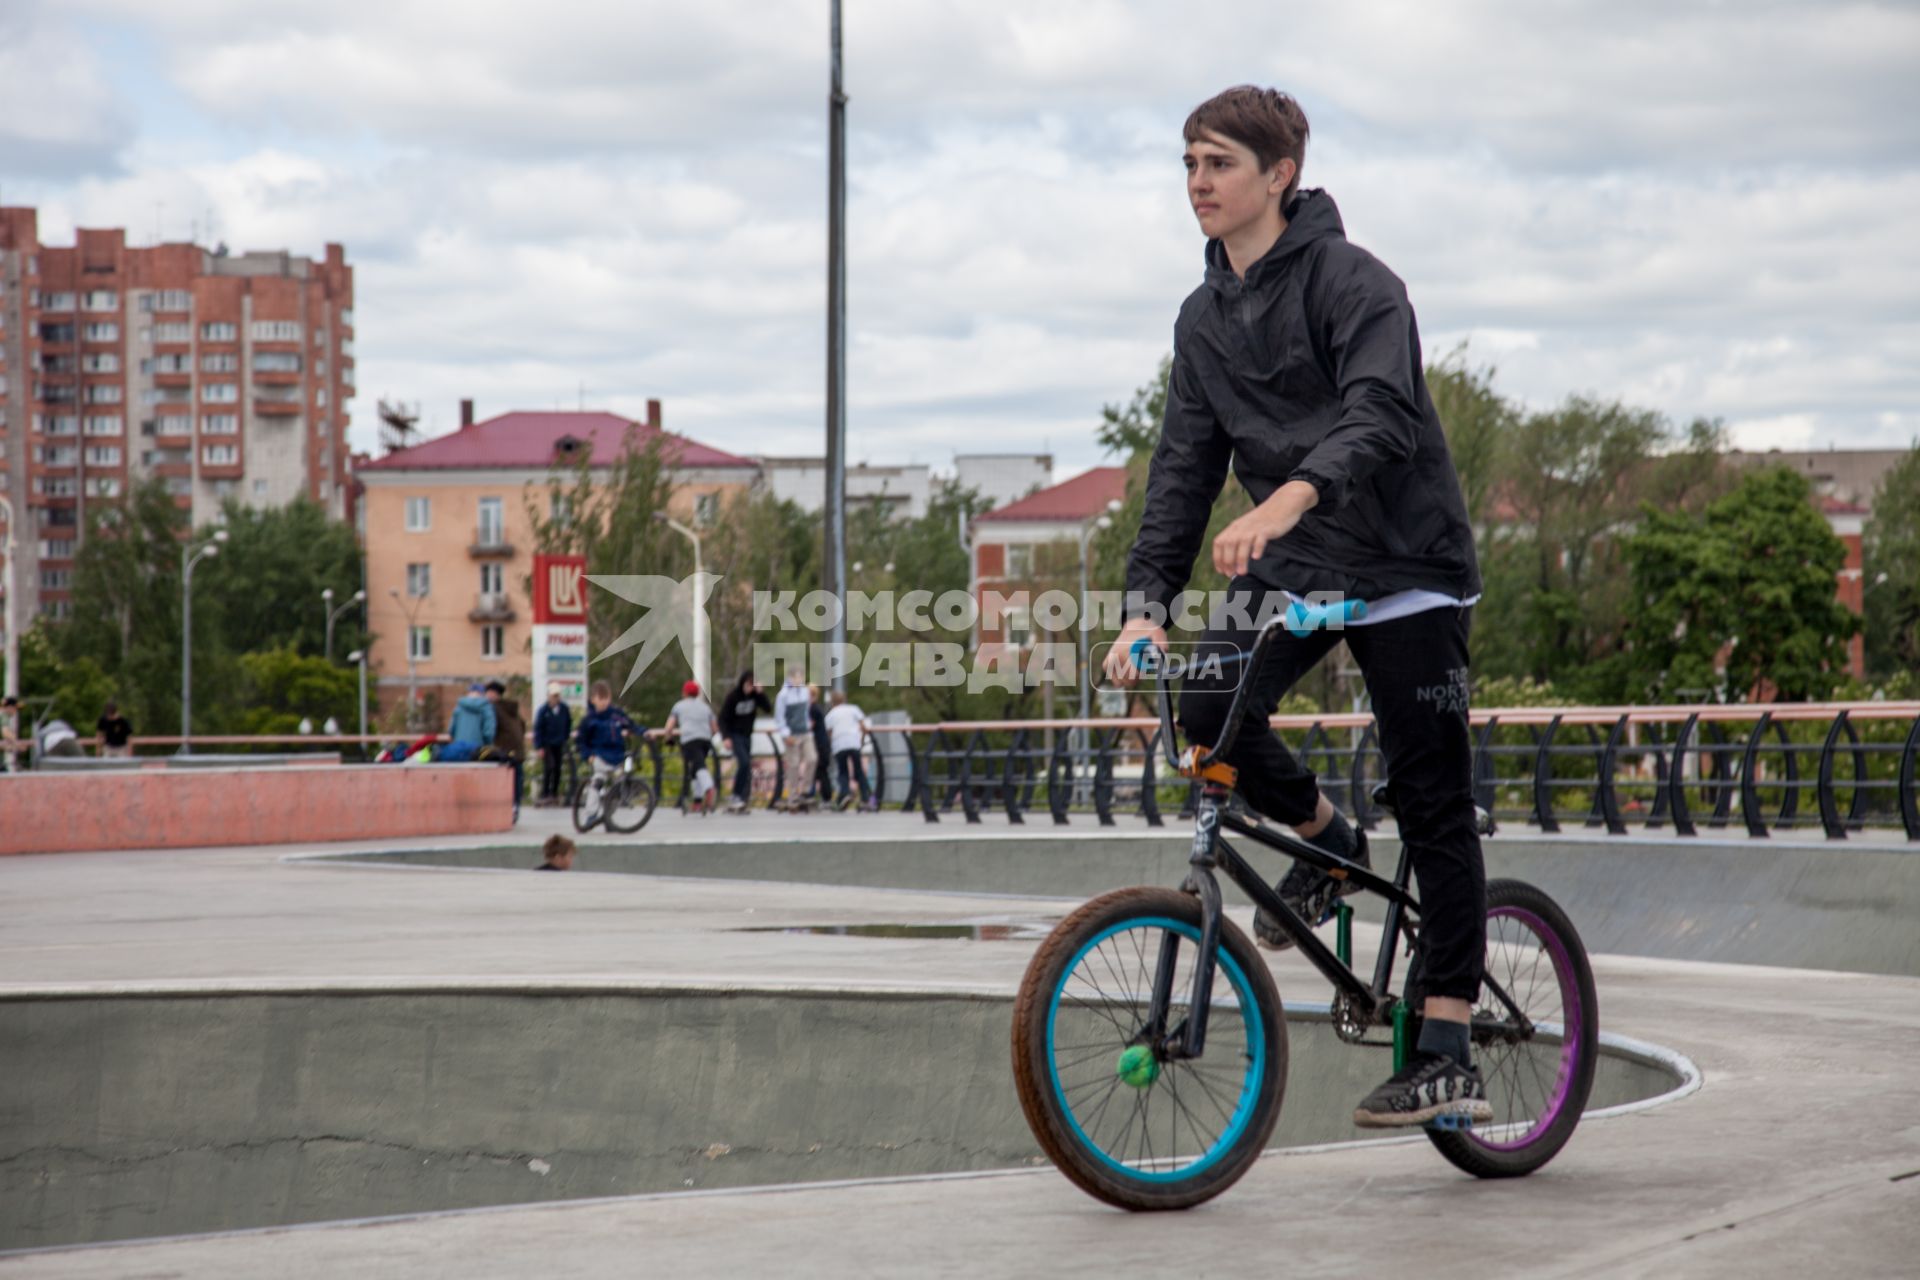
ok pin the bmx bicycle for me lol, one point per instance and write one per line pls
(1149, 1042)
(619, 798)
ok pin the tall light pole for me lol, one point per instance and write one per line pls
(189, 557)
(700, 655)
(326, 602)
(1086, 537)
(836, 505)
(360, 656)
(413, 663)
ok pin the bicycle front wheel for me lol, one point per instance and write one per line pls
(1124, 1120)
(628, 805)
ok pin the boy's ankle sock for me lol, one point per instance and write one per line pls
(1437, 1035)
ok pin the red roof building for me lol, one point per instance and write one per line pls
(1034, 543)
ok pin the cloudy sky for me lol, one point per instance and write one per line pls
(1706, 208)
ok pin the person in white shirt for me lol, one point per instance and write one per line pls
(846, 732)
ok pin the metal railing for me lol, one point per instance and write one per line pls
(1832, 767)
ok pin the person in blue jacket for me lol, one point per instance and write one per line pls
(604, 729)
(551, 729)
(473, 725)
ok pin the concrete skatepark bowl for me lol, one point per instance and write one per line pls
(233, 1041)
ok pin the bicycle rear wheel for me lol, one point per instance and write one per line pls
(1121, 1119)
(1537, 1085)
(586, 805)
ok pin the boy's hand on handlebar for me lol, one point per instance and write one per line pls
(1246, 539)
(1119, 665)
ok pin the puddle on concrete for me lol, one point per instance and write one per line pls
(969, 931)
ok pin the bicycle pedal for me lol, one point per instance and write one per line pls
(1450, 1124)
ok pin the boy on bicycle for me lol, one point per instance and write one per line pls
(1297, 361)
(602, 736)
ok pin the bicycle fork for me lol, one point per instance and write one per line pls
(1189, 1040)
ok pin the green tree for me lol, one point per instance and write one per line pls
(281, 687)
(265, 586)
(1749, 583)
(1891, 547)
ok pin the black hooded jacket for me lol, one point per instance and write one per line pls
(1309, 369)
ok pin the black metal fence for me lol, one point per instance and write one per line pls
(1836, 768)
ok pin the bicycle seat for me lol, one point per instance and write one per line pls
(1483, 823)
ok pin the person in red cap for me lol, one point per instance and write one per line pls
(692, 721)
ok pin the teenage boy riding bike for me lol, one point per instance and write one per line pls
(1298, 363)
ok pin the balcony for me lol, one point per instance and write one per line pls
(276, 408)
(491, 606)
(491, 544)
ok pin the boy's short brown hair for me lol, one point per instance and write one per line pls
(556, 848)
(1264, 121)
(601, 689)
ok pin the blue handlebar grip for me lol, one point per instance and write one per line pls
(1141, 654)
(1303, 619)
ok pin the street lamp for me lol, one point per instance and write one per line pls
(13, 631)
(413, 664)
(360, 656)
(326, 600)
(1086, 537)
(189, 557)
(700, 654)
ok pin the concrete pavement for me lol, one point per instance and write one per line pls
(1791, 1155)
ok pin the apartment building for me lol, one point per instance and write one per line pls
(449, 536)
(227, 375)
(1034, 543)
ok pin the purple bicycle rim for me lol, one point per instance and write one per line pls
(1573, 1018)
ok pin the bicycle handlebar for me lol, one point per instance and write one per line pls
(1299, 618)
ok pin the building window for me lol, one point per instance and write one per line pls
(105, 393)
(492, 523)
(419, 515)
(560, 510)
(178, 363)
(103, 455)
(259, 488)
(100, 362)
(105, 424)
(174, 424)
(220, 424)
(276, 361)
(179, 485)
(173, 331)
(276, 331)
(493, 579)
(220, 362)
(219, 455)
(706, 509)
(57, 302)
(419, 643)
(167, 300)
(100, 332)
(63, 424)
(219, 331)
(100, 300)
(220, 392)
(105, 487)
(1019, 561)
(493, 641)
(56, 548)
(419, 579)
(55, 579)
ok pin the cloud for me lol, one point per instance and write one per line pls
(1707, 210)
(59, 115)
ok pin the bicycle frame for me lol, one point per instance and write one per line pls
(1212, 853)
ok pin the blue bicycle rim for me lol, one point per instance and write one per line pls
(1252, 1017)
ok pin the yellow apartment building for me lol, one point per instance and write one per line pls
(449, 542)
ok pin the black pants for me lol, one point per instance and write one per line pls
(742, 744)
(823, 766)
(551, 760)
(850, 761)
(693, 758)
(1416, 671)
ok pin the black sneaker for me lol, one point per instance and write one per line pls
(1309, 893)
(1432, 1089)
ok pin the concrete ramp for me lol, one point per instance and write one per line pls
(180, 1109)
